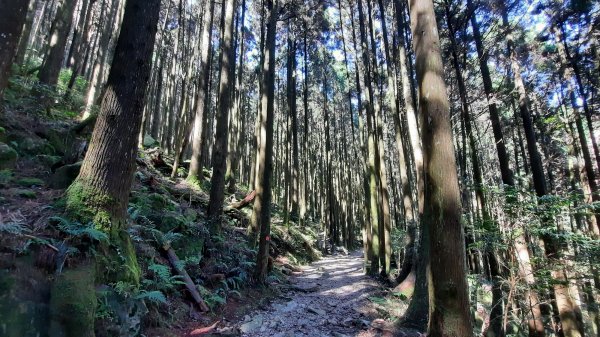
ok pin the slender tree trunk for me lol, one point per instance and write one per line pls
(236, 120)
(203, 95)
(261, 213)
(495, 328)
(372, 232)
(293, 113)
(507, 175)
(59, 33)
(581, 90)
(583, 141)
(217, 189)
(12, 18)
(26, 32)
(569, 312)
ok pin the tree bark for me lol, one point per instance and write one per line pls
(203, 95)
(449, 302)
(100, 193)
(12, 18)
(217, 189)
(58, 40)
(261, 212)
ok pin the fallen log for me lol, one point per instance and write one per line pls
(189, 284)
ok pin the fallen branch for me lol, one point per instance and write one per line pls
(189, 284)
(244, 202)
(205, 330)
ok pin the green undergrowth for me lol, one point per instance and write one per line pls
(57, 103)
(114, 274)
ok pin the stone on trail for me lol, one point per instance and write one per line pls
(253, 325)
(317, 311)
(306, 287)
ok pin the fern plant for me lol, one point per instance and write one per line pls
(76, 229)
(153, 296)
(14, 228)
(163, 280)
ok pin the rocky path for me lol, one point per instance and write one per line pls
(330, 298)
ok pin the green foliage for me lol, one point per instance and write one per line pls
(11, 227)
(25, 91)
(5, 176)
(76, 229)
(27, 194)
(29, 182)
(213, 299)
(154, 296)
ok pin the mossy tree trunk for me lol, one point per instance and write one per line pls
(100, 193)
(448, 291)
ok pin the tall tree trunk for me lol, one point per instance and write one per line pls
(495, 328)
(507, 175)
(217, 188)
(12, 18)
(27, 26)
(417, 309)
(372, 232)
(101, 191)
(203, 95)
(261, 212)
(306, 150)
(293, 113)
(580, 89)
(59, 33)
(448, 290)
(587, 157)
(569, 312)
(236, 120)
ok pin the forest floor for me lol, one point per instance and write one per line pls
(331, 297)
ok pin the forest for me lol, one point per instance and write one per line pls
(287, 168)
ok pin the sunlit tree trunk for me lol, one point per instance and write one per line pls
(448, 297)
(261, 212)
(217, 189)
(371, 146)
(203, 95)
(58, 40)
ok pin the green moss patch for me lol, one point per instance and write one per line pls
(8, 157)
(86, 204)
(49, 160)
(30, 182)
(73, 303)
(5, 177)
(27, 194)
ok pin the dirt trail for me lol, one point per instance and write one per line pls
(330, 298)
